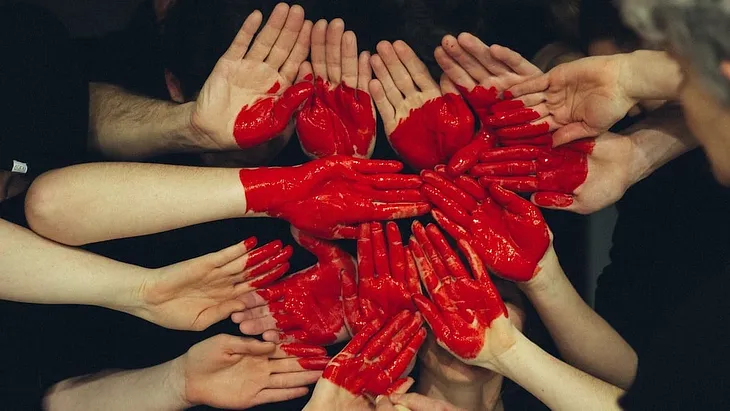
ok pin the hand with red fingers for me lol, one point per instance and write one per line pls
(249, 97)
(195, 294)
(508, 232)
(425, 124)
(465, 311)
(305, 306)
(386, 278)
(330, 197)
(373, 363)
(482, 73)
(339, 118)
(583, 176)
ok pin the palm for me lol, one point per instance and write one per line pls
(233, 380)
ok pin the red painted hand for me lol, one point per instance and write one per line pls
(378, 356)
(330, 197)
(386, 278)
(508, 232)
(425, 124)
(305, 306)
(249, 98)
(339, 118)
(465, 311)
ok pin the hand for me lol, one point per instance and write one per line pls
(509, 232)
(465, 311)
(329, 197)
(414, 402)
(386, 278)
(339, 118)
(194, 294)
(424, 124)
(249, 98)
(482, 74)
(236, 372)
(305, 306)
(373, 363)
(584, 176)
(585, 97)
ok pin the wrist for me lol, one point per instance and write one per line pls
(547, 270)
(129, 296)
(174, 383)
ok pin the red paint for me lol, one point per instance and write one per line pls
(274, 88)
(523, 131)
(556, 200)
(338, 120)
(512, 118)
(311, 357)
(529, 169)
(461, 305)
(480, 99)
(384, 283)
(507, 231)
(432, 133)
(268, 116)
(374, 361)
(249, 244)
(467, 156)
(330, 197)
(307, 305)
(314, 364)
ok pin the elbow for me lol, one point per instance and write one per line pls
(47, 211)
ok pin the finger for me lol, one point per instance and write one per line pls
(418, 73)
(382, 403)
(361, 339)
(251, 300)
(447, 86)
(428, 276)
(527, 130)
(430, 251)
(557, 201)
(268, 396)
(534, 85)
(396, 211)
(298, 350)
(507, 168)
(293, 379)
(282, 257)
(298, 55)
(398, 72)
(401, 386)
(365, 260)
(243, 38)
(216, 313)
(572, 132)
(382, 103)
(322, 249)
(305, 72)
(364, 72)
(262, 280)
(226, 255)
(412, 281)
(450, 190)
(447, 205)
(516, 117)
(477, 266)
(394, 95)
(267, 37)
(318, 49)
(257, 326)
(375, 166)
(544, 141)
(432, 316)
(455, 230)
(292, 99)
(333, 49)
(511, 58)
(253, 258)
(471, 186)
(380, 343)
(449, 257)
(476, 70)
(253, 313)
(246, 345)
(392, 181)
(287, 38)
(510, 154)
(512, 202)
(349, 59)
(453, 70)
(292, 365)
(380, 253)
(396, 252)
(415, 402)
(519, 184)
(398, 365)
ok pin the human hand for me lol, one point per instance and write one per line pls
(339, 118)
(305, 306)
(248, 98)
(195, 294)
(330, 197)
(386, 278)
(425, 124)
(465, 311)
(373, 363)
(413, 402)
(583, 176)
(508, 232)
(226, 371)
(584, 98)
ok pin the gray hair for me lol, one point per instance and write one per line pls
(697, 30)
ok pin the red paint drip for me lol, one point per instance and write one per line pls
(432, 133)
(274, 88)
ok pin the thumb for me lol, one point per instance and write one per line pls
(554, 201)
(217, 313)
(573, 131)
(292, 99)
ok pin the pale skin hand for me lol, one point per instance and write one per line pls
(328, 396)
(244, 75)
(413, 402)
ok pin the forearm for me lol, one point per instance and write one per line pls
(584, 339)
(155, 388)
(97, 202)
(555, 383)
(660, 138)
(36, 270)
(650, 75)
(126, 126)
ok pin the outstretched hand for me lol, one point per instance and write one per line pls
(249, 99)
(305, 306)
(330, 197)
(339, 118)
(194, 294)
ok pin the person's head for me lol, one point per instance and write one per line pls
(696, 33)
(195, 34)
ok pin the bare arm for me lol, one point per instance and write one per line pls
(584, 339)
(650, 75)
